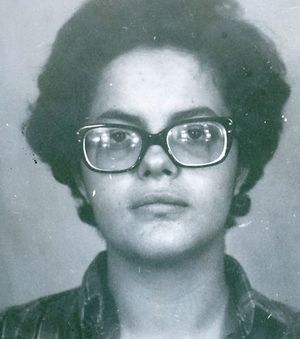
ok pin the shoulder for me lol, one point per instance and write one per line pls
(48, 316)
(258, 316)
(64, 315)
(276, 319)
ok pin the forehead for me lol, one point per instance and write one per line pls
(154, 84)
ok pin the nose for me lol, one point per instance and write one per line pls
(156, 163)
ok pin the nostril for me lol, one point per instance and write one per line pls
(167, 172)
(147, 173)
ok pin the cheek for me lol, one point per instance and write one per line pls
(104, 192)
(210, 194)
(212, 187)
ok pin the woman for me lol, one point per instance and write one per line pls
(160, 117)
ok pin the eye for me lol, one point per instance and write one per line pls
(195, 133)
(118, 136)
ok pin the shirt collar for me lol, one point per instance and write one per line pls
(241, 293)
(99, 315)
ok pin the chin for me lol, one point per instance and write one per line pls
(165, 252)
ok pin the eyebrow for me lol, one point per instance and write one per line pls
(174, 118)
(191, 113)
(123, 116)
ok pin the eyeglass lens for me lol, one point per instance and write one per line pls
(111, 148)
(199, 143)
(191, 144)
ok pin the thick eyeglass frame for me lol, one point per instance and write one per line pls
(160, 138)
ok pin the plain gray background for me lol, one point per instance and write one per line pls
(44, 248)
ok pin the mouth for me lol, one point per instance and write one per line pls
(159, 203)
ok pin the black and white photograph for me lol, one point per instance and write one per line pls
(149, 169)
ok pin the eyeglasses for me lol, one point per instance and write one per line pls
(196, 142)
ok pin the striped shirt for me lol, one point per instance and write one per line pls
(89, 311)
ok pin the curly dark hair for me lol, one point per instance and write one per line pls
(251, 76)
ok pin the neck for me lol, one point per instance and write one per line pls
(188, 297)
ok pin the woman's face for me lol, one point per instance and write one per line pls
(183, 209)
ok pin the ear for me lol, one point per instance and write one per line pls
(81, 188)
(241, 177)
(84, 207)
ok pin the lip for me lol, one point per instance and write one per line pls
(163, 199)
